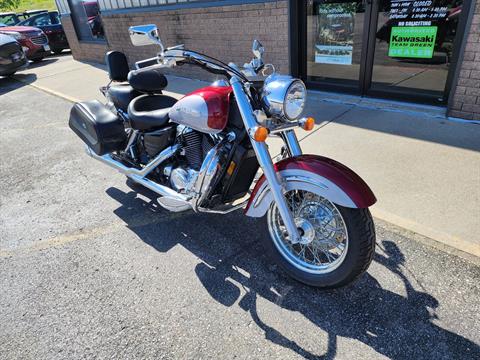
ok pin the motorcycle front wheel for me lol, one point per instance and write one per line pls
(336, 244)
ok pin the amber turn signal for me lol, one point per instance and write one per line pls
(260, 134)
(308, 124)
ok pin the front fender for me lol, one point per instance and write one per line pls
(320, 175)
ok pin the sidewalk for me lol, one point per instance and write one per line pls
(423, 168)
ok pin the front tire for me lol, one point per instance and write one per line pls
(338, 243)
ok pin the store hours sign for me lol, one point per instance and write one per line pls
(413, 27)
(412, 41)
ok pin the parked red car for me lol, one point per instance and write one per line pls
(49, 23)
(33, 40)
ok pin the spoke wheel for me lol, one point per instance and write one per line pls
(324, 237)
(336, 243)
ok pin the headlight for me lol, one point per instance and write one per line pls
(284, 97)
(295, 100)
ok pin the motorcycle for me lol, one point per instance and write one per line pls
(206, 151)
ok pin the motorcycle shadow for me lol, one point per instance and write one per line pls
(234, 269)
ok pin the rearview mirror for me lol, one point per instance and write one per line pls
(141, 35)
(257, 49)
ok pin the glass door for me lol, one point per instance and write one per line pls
(399, 49)
(414, 48)
(335, 43)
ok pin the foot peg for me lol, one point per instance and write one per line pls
(173, 204)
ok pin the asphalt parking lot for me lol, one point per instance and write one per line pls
(90, 268)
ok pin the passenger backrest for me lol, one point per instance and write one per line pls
(117, 65)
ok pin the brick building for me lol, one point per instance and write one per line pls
(419, 51)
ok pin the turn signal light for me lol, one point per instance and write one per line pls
(308, 124)
(260, 134)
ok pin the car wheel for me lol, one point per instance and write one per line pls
(57, 51)
(37, 60)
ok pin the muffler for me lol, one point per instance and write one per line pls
(139, 176)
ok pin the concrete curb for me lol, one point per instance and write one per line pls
(440, 240)
(48, 91)
(434, 238)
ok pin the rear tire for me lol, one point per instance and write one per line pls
(358, 253)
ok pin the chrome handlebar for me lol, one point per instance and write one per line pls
(176, 55)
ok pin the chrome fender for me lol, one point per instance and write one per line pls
(317, 174)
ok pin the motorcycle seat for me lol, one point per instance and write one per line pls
(122, 94)
(149, 112)
(148, 80)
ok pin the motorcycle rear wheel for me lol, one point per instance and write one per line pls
(337, 243)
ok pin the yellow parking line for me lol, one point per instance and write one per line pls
(84, 234)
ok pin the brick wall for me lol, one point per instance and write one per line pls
(90, 51)
(224, 32)
(466, 101)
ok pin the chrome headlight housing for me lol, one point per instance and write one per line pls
(284, 97)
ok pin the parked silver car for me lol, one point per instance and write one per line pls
(12, 57)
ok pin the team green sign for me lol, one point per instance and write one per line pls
(412, 41)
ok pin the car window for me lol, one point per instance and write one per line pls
(8, 19)
(55, 18)
(41, 20)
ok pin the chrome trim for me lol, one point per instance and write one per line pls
(318, 238)
(274, 93)
(299, 180)
(208, 171)
(159, 189)
(139, 175)
(293, 146)
(293, 178)
(223, 212)
(39, 39)
(263, 157)
(174, 204)
(276, 129)
(141, 35)
(107, 159)
(131, 140)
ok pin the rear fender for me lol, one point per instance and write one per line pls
(320, 175)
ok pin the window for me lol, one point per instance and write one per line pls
(388, 48)
(125, 4)
(9, 19)
(87, 20)
(39, 20)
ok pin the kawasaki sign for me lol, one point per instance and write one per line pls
(412, 41)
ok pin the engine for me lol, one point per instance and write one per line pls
(195, 146)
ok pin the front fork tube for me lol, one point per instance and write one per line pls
(264, 160)
(291, 142)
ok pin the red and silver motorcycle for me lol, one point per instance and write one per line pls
(206, 151)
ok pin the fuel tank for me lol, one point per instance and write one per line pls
(204, 110)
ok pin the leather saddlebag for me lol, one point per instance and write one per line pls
(98, 127)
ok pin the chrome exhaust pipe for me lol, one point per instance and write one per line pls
(159, 189)
(110, 161)
(139, 175)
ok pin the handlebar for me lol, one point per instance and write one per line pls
(147, 62)
(177, 56)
